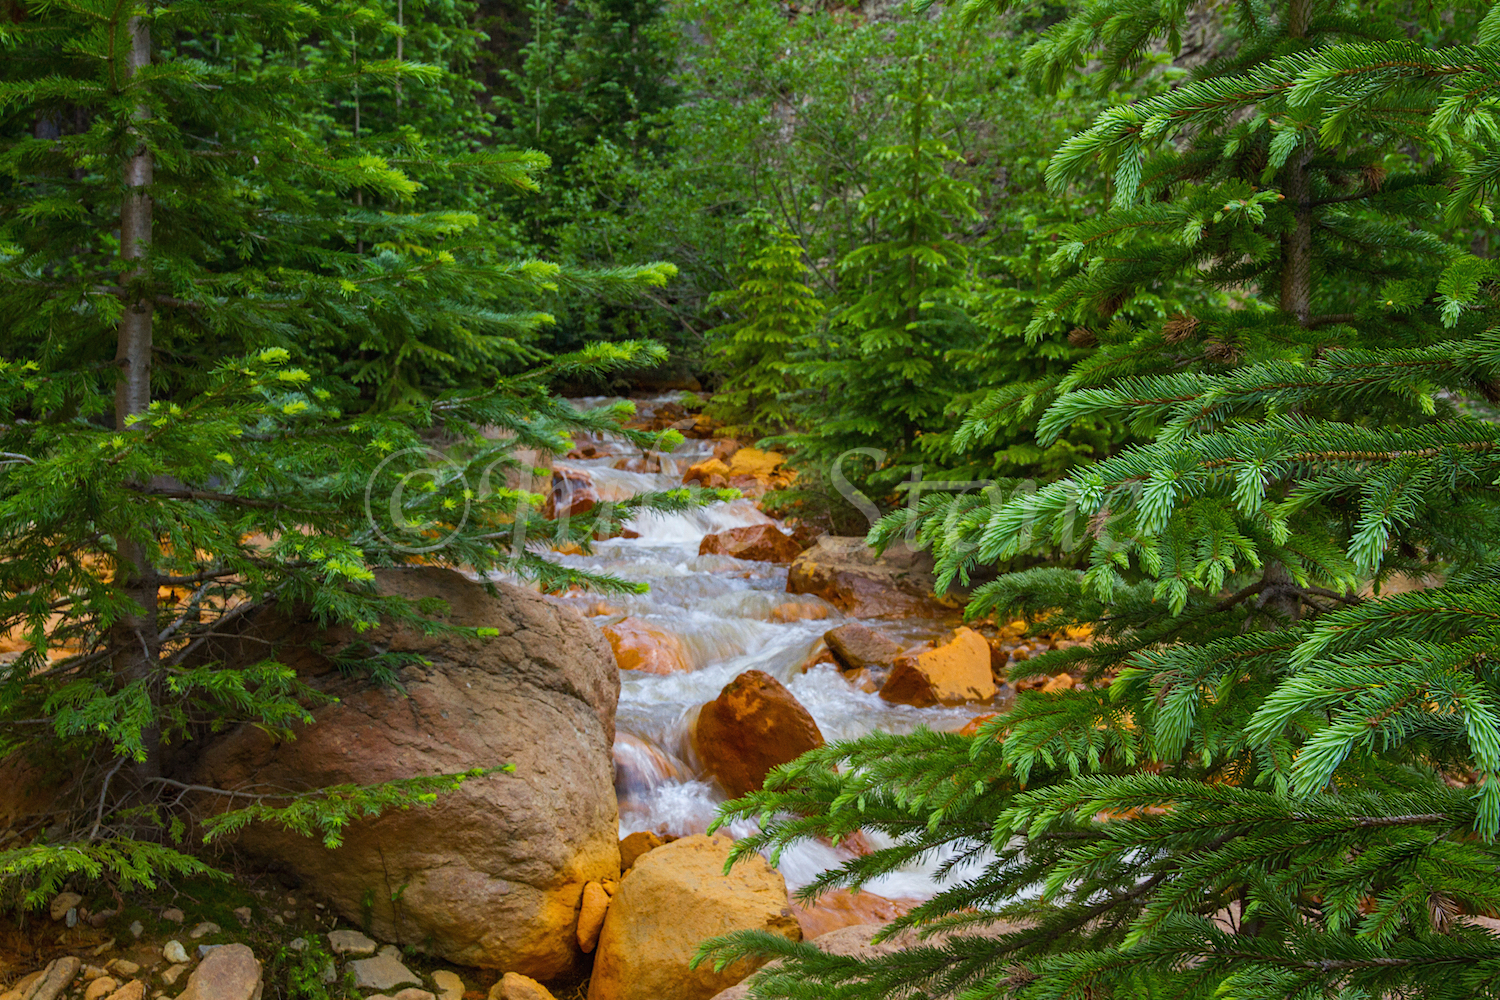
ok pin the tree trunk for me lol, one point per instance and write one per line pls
(135, 635)
(1296, 187)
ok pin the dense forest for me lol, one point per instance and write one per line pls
(690, 499)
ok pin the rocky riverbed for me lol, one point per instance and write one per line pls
(623, 722)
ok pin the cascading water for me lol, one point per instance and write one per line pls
(720, 609)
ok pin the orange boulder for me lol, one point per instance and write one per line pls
(953, 673)
(754, 725)
(758, 542)
(638, 646)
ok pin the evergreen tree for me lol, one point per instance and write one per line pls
(779, 316)
(179, 236)
(1278, 779)
(875, 383)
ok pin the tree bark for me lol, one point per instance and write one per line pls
(1296, 187)
(135, 635)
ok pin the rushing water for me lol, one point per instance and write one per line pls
(721, 610)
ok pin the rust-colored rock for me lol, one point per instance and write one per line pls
(857, 646)
(971, 728)
(758, 542)
(754, 462)
(953, 673)
(843, 908)
(492, 872)
(754, 725)
(636, 844)
(673, 899)
(572, 494)
(638, 646)
(594, 905)
(847, 574)
(797, 611)
(711, 473)
(1058, 682)
(724, 448)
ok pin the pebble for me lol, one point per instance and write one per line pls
(55, 978)
(62, 903)
(133, 990)
(91, 973)
(106, 946)
(243, 915)
(124, 967)
(100, 988)
(412, 993)
(173, 972)
(297, 944)
(137, 929)
(174, 952)
(204, 929)
(204, 949)
(174, 914)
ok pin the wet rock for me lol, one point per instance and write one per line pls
(843, 908)
(638, 646)
(62, 903)
(500, 886)
(971, 728)
(724, 448)
(514, 986)
(847, 574)
(450, 986)
(752, 487)
(635, 845)
(674, 898)
(1058, 682)
(797, 611)
(857, 646)
(758, 542)
(382, 972)
(955, 672)
(228, 973)
(352, 943)
(712, 473)
(174, 952)
(819, 654)
(754, 725)
(572, 494)
(594, 906)
(639, 463)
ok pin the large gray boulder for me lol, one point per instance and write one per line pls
(491, 875)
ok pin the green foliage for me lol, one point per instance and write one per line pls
(779, 318)
(171, 466)
(1278, 777)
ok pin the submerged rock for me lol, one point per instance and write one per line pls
(638, 646)
(848, 574)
